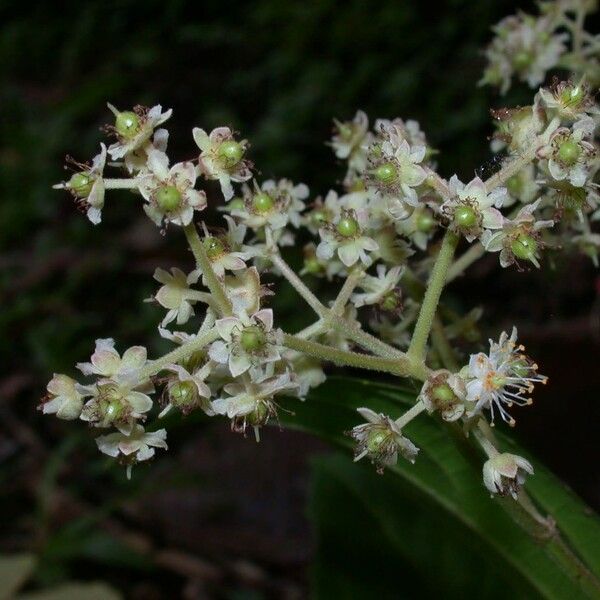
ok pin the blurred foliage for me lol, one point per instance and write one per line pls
(276, 71)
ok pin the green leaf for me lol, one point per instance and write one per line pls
(436, 515)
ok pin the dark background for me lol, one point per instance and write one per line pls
(278, 72)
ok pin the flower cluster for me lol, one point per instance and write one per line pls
(387, 236)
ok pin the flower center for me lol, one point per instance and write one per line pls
(424, 222)
(127, 124)
(568, 152)
(230, 152)
(465, 217)
(253, 338)
(214, 247)
(81, 184)
(181, 393)
(168, 198)
(262, 202)
(386, 173)
(347, 226)
(524, 247)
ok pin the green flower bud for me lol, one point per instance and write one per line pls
(312, 265)
(524, 247)
(168, 198)
(390, 302)
(182, 393)
(443, 396)
(465, 217)
(127, 124)
(347, 226)
(387, 173)
(214, 247)
(236, 204)
(522, 60)
(231, 152)
(319, 217)
(424, 221)
(514, 185)
(81, 184)
(262, 202)
(568, 152)
(253, 338)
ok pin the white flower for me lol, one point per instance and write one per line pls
(113, 403)
(323, 211)
(170, 192)
(397, 171)
(444, 392)
(64, 399)
(307, 370)
(346, 238)
(472, 209)
(244, 291)
(253, 405)
(569, 156)
(568, 100)
(136, 161)
(106, 361)
(188, 391)
(524, 46)
(87, 186)
(246, 342)
(505, 473)
(518, 238)
(222, 158)
(501, 378)
(176, 294)
(136, 446)
(143, 122)
(350, 139)
(381, 440)
(377, 288)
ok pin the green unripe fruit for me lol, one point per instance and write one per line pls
(522, 60)
(347, 226)
(386, 173)
(443, 395)
(465, 217)
(524, 247)
(568, 152)
(424, 222)
(214, 247)
(514, 185)
(312, 265)
(572, 96)
(390, 302)
(253, 338)
(168, 198)
(127, 124)
(376, 439)
(81, 184)
(262, 202)
(236, 204)
(319, 216)
(182, 393)
(231, 152)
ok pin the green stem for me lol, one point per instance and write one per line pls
(203, 263)
(402, 368)
(337, 308)
(177, 355)
(432, 296)
(410, 414)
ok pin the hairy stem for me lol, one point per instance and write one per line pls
(402, 368)
(120, 184)
(177, 355)
(432, 296)
(203, 263)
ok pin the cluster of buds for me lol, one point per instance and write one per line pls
(526, 46)
(376, 235)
